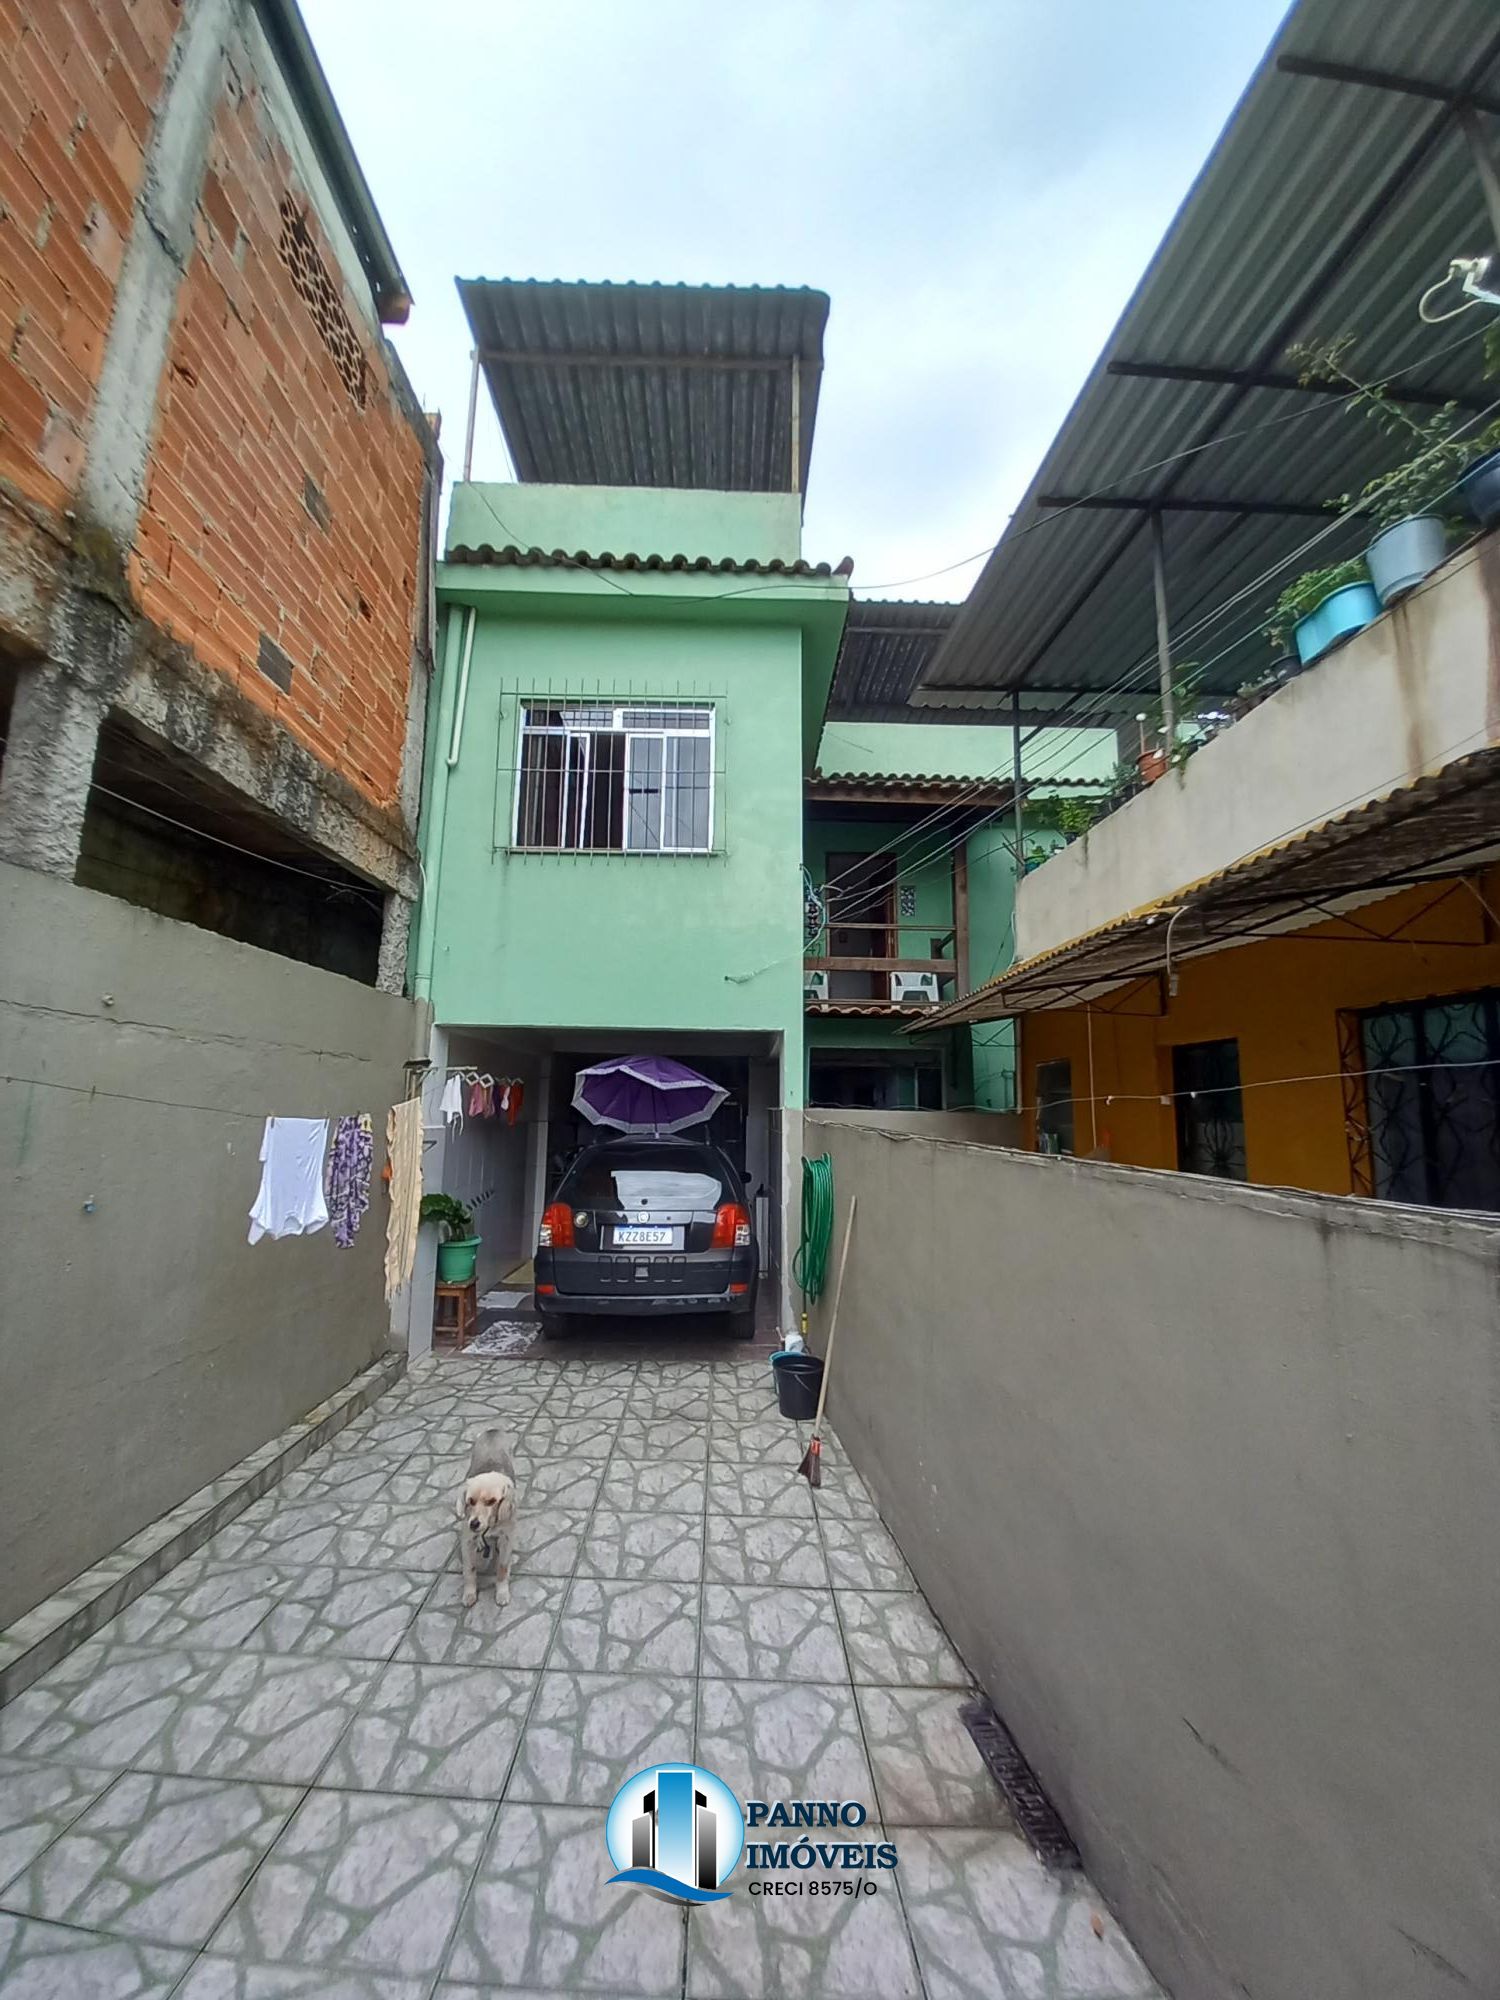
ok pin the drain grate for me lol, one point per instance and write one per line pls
(1035, 1813)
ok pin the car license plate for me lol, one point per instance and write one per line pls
(638, 1237)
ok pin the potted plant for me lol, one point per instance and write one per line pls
(1323, 606)
(458, 1247)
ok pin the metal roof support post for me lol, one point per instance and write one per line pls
(1015, 777)
(473, 413)
(1163, 628)
(1484, 166)
(796, 423)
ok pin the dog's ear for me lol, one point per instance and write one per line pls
(506, 1510)
(461, 1504)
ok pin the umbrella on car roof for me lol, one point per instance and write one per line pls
(646, 1094)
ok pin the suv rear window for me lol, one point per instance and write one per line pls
(651, 1176)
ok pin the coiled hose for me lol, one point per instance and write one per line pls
(810, 1265)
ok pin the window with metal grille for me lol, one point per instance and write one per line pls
(319, 293)
(613, 779)
(1210, 1110)
(1432, 1091)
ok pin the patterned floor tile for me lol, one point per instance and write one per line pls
(570, 1437)
(386, 1431)
(759, 1489)
(751, 1632)
(927, 1770)
(550, 1539)
(51, 1962)
(893, 1639)
(203, 1602)
(37, 1803)
(448, 1730)
(989, 1922)
(743, 1395)
(159, 1859)
(229, 1715)
(628, 1627)
(654, 1401)
(767, 1741)
(588, 1733)
(862, 1556)
(359, 1881)
(339, 1477)
(215, 1978)
(565, 1484)
(360, 1614)
(844, 1947)
(543, 1914)
(669, 1546)
(843, 1496)
(653, 1486)
(774, 1442)
(602, 1402)
(376, 1536)
(445, 1632)
(662, 1438)
(767, 1548)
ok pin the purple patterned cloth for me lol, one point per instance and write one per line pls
(349, 1162)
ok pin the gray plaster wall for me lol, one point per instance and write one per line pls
(144, 1345)
(1205, 1483)
(976, 1128)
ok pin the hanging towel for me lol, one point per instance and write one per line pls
(479, 1100)
(403, 1138)
(517, 1096)
(349, 1166)
(290, 1201)
(451, 1104)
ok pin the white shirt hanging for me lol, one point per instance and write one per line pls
(290, 1201)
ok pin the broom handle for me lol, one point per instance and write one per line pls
(833, 1317)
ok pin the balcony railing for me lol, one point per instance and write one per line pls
(863, 978)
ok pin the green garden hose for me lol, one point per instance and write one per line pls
(810, 1265)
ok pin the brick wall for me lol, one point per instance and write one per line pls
(77, 82)
(279, 512)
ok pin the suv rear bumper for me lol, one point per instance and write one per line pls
(558, 1305)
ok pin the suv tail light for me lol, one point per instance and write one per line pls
(731, 1228)
(556, 1232)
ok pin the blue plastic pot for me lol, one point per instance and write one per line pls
(1479, 489)
(1340, 615)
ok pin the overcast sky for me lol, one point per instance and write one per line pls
(976, 183)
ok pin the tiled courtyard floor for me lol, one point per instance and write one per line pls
(297, 1767)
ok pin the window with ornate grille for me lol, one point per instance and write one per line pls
(1210, 1109)
(604, 778)
(1432, 1099)
(320, 295)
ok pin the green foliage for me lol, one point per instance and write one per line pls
(1306, 592)
(455, 1221)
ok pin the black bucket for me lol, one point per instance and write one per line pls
(798, 1380)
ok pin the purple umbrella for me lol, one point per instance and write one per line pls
(646, 1094)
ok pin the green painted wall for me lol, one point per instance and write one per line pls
(619, 941)
(628, 520)
(962, 750)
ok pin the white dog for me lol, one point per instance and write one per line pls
(487, 1515)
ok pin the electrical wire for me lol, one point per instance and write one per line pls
(1274, 1082)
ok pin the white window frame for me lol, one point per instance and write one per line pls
(614, 718)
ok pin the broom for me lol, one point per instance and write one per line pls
(811, 1467)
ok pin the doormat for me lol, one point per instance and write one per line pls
(504, 1336)
(502, 1301)
(1034, 1812)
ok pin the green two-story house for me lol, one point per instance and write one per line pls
(635, 664)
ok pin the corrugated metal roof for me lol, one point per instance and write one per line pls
(886, 646)
(510, 556)
(652, 385)
(1445, 824)
(892, 784)
(1325, 208)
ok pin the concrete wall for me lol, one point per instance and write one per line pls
(1203, 1481)
(976, 1128)
(1410, 694)
(144, 1345)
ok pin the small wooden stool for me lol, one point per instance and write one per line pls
(455, 1310)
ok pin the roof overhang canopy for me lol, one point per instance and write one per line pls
(1443, 825)
(1341, 188)
(887, 646)
(690, 386)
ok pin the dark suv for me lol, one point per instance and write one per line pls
(648, 1226)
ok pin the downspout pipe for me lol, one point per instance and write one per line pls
(458, 651)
